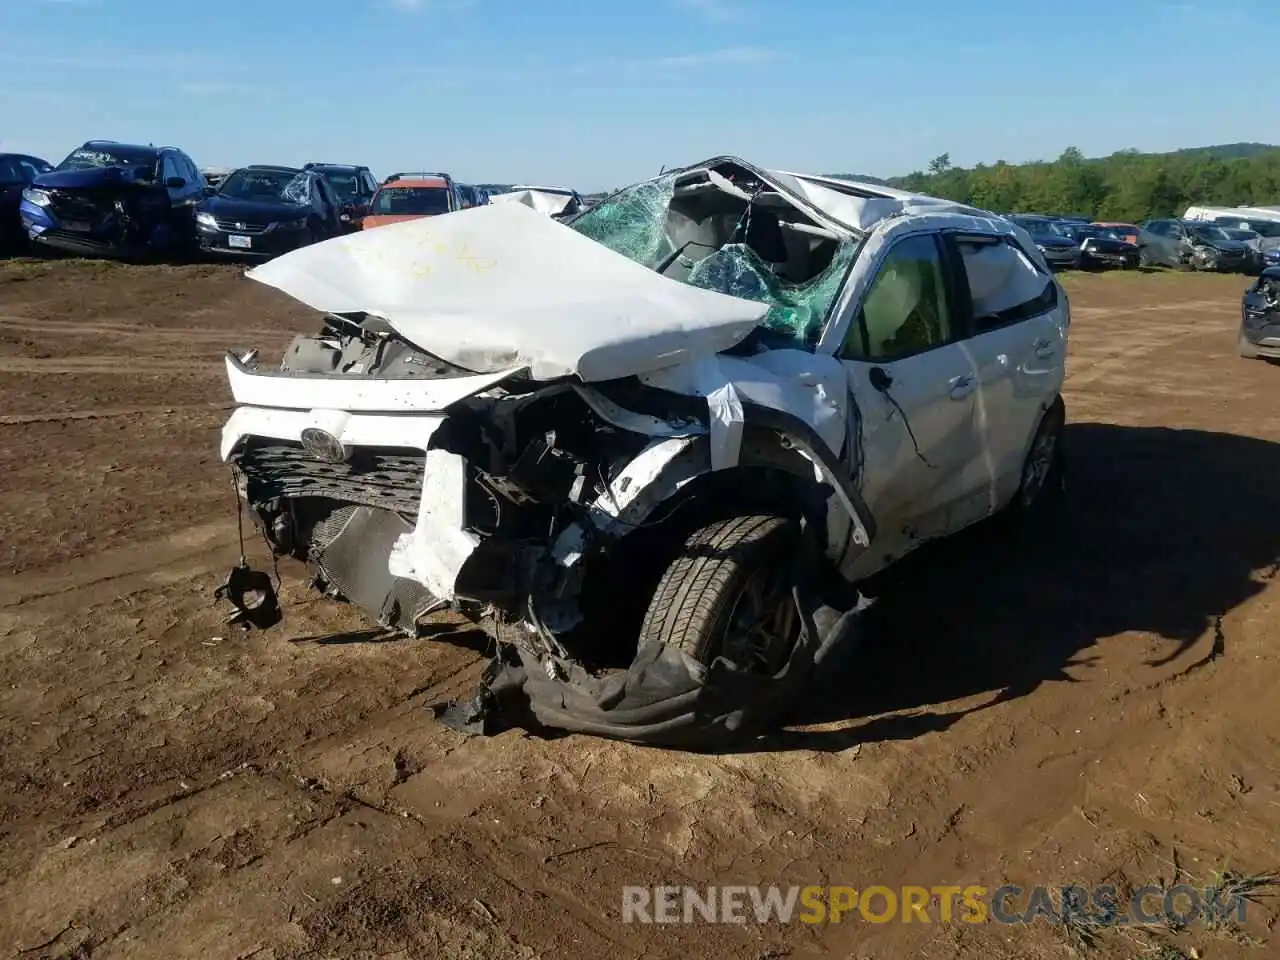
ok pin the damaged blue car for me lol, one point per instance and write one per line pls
(115, 200)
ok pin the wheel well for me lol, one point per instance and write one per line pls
(619, 581)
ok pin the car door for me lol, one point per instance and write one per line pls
(328, 205)
(1161, 243)
(1017, 344)
(181, 208)
(914, 386)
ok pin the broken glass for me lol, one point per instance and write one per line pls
(298, 190)
(634, 222)
(796, 309)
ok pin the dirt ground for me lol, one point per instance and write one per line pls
(1094, 703)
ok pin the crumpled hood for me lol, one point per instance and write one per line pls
(544, 201)
(499, 286)
(83, 179)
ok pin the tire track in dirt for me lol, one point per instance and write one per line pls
(126, 365)
(16, 419)
(138, 565)
(130, 330)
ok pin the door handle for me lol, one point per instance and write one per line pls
(1044, 349)
(961, 387)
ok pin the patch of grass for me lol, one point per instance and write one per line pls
(1227, 887)
(1082, 933)
(24, 268)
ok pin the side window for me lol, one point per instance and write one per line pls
(29, 168)
(906, 310)
(1002, 285)
(11, 171)
(370, 185)
(169, 167)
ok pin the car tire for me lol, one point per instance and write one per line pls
(1043, 483)
(1144, 258)
(728, 592)
(1247, 349)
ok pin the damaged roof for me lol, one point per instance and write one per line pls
(613, 294)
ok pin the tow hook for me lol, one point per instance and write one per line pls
(253, 597)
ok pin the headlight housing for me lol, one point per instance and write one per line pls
(298, 224)
(206, 219)
(37, 196)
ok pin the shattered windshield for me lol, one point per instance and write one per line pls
(1209, 233)
(265, 186)
(89, 158)
(731, 244)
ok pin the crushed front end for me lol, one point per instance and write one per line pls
(407, 484)
(123, 219)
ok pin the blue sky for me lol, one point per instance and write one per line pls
(597, 96)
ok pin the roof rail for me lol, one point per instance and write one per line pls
(418, 175)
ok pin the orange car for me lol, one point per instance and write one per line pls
(411, 196)
(1125, 231)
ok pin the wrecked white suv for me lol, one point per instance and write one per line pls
(655, 449)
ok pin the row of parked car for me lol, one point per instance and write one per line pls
(1239, 240)
(133, 201)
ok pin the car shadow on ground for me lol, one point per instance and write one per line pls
(1163, 532)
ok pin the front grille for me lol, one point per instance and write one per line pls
(391, 481)
(76, 206)
(237, 226)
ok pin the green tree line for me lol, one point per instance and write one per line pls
(1126, 186)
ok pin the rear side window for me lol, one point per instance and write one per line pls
(1004, 285)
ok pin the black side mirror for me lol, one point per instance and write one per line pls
(175, 183)
(210, 191)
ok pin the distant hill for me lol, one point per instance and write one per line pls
(1225, 151)
(1221, 151)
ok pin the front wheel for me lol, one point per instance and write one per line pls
(728, 593)
(1247, 349)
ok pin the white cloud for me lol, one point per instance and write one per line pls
(412, 6)
(729, 56)
(119, 62)
(721, 11)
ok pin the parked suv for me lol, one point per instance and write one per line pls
(412, 196)
(655, 449)
(263, 210)
(1060, 248)
(17, 171)
(109, 199)
(1193, 243)
(354, 185)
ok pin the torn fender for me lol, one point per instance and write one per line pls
(667, 464)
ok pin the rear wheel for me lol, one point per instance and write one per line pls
(1044, 469)
(728, 593)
